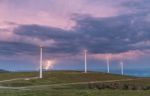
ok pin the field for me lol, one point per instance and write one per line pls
(72, 83)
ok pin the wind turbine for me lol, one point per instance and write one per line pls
(108, 64)
(122, 66)
(41, 62)
(85, 61)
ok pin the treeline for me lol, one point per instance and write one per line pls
(120, 86)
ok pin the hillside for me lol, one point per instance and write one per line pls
(3, 71)
(57, 77)
(72, 83)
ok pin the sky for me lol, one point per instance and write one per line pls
(65, 28)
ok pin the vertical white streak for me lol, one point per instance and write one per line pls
(108, 65)
(121, 65)
(85, 61)
(41, 61)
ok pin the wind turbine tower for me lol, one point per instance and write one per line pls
(108, 64)
(41, 62)
(85, 61)
(122, 67)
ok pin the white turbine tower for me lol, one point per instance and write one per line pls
(108, 64)
(41, 62)
(122, 66)
(85, 61)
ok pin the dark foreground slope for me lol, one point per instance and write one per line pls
(73, 83)
(56, 77)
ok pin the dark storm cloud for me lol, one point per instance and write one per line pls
(137, 5)
(97, 35)
(16, 48)
(120, 32)
(44, 33)
(66, 41)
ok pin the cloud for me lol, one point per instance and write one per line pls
(113, 35)
(63, 40)
(59, 14)
(16, 48)
(129, 55)
(72, 26)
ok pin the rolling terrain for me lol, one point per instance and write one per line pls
(72, 83)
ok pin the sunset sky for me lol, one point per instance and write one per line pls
(65, 28)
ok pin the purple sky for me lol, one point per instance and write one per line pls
(65, 28)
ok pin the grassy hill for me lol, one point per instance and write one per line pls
(57, 77)
(55, 83)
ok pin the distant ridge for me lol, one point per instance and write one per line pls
(3, 71)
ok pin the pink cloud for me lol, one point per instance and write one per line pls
(58, 14)
(122, 56)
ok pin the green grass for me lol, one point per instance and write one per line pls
(13, 75)
(73, 92)
(142, 81)
(58, 77)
